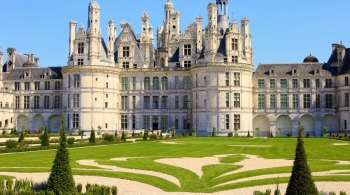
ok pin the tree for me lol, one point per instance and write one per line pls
(21, 136)
(145, 135)
(61, 180)
(123, 138)
(301, 181)
(45, 140)
(92, 138)
(213, 134)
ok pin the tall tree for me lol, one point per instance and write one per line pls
(92, 138)
(301, 182)
(61, 180)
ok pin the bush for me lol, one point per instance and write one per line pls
(108, 137)
(271, 135)
(290, 134)
(342, 193)
(11, 143)
(213, 134)
(92, 138)
(133, 133)
(153, 136)
(248, 134)
(9, 184)
(145, 135)
(71, 140)
(230, 134)
(114, 190)
(123, 138)
(21, 137)
(45, 139)
(79, 188)
(268, 192)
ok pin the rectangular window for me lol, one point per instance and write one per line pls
(284, 101)
(164, 122)
(317, 83)
(26, 86)
(318, 101)
(133, 83)
(80, 48)
(155, 102)
(47, 85)
(106, 104)
(57, 102)
(75, 121)
(124, 122)
(76, 100)
(69, 84)
(227, 100)
(76, 81)
(346, 99)
(187, 102)
(146, 102)
(176, 122)
(26, 102)
(346, 81)
(273, 101)
(237, 100)
(57, 85)
(227, 121)
(133, 122)
(155, 122)
(68, 100)
(164, 102)
(237, 79)
(187, 82)
(17, 103)
(307, 100)
(261, 83)
(146, 122)
(187, 64)
(68, 121)
(272, 83)
(46, 102)
(80, 62)
(237, 121)
(283, 83)
(329, 102)
(126, 51)
(187, 50)
(295, 83)
(234, 44)
(37, 85)
(133, 102)
(306, 83)
(177, 102)
(124, 102)
(135, 66)
(235, 59)
(328, 83)
(125, 64)
(17, 86)
(295, 101)
(227, 79)
(36, 102)
(176, 82)
(261, 101)
(187, 122)
(125, 83)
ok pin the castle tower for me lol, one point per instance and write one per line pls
(112, 33)
(223, 20)
(11, 59)
(168, 8)
(146, 37)
(212, 14)
(72, 35)
(1, 61)
(199, 34)
(94, 32)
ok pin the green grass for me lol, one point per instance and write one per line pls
(322, 156)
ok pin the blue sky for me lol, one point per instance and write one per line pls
(284, 31)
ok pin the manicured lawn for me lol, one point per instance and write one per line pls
(322, 156)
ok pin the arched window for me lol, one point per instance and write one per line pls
(162, 62)
(165, 83)
(147, 83)
(155, 83)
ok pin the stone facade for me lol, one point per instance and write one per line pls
(203, 78)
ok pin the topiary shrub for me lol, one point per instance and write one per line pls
(45, 139)
(133, 133)
(61, 180)
(21, 137)
(248, 134)
(213, 134)
(289, 134)
(11, 143)
(271, 135)
(123, 138)
(71, 140)
(342, 193)
(268, 192)
(79, 188)
(108, 137)
(114, 190)
(301, 181)
(153, 136)
(230, 134)
(92, 138)
(145, 135)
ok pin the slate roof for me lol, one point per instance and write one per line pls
(346, 62)
(175, 57)
(138, 57)
(222, 48)
(36, 72)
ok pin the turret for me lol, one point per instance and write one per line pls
(247, 44)
(94, 32)
(72, 35)
(112, 33)
(145, 25)
(223, 20)
(168, 8)
(212, 14)
(11, 59)
(199, 34)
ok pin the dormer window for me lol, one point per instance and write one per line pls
(187, 50)
(126, 51)
(272, 71)
(295, 71)
(317, 71)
